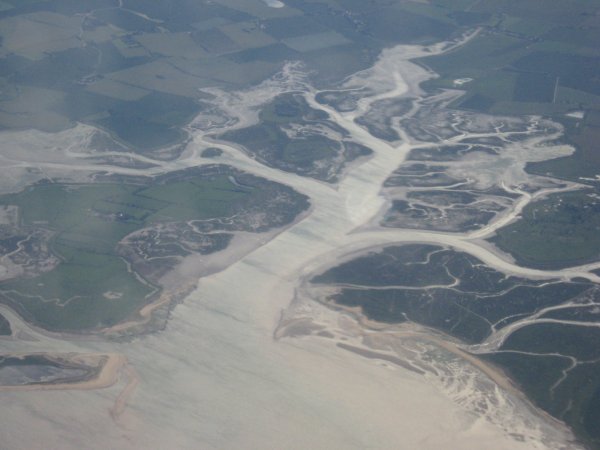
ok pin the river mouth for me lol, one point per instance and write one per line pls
(224, 375)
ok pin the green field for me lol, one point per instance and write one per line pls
(528, 59)
(585, 162)
(101, 61)
(93, 286)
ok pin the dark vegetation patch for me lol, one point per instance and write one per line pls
(575, 398)
(440, 288)
(211, 152)
(559, 231)
(477, 102)
(5, 329)
(580, 342)
(555, 364)
(393, 265)
(534, 374)
(288, 137)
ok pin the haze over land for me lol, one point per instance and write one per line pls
(268, 225)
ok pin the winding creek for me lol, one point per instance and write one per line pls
(217, 378)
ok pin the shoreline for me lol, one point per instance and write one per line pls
(108, 367)
(230, 379)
